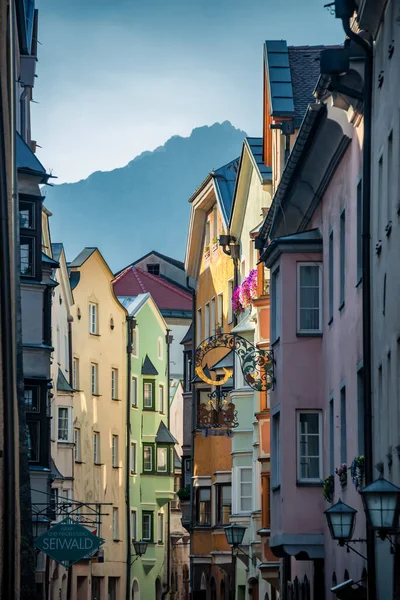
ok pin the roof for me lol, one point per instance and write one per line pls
(27, 161)
(225, 181)
(62, 383)
(173, 388)
(188, 337)
(255, 147)
(54, 471)
(167, 296)
(56, 249)
(133, 305)
(306, 239)
(172, 261)
(47, 259)
(293, 73)
(82, 257)
(245, 325)
(164, 436)
(148, 368)
(225, 363)
(177, 460)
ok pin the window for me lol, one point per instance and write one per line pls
(148, 397)
(161, 398)
(32, 399)
(93, 321)
(160, 348)
(66, 352)
(133, 525)
(342, 258)
(359, 231)
(75, 374)
(360, 411)
(343, 426)
(33, 435)
(53, 504)
(213, 316)
(309, 454)
(134, 392)
(162, 460)
(309, 294)
(224, 504)
(207, 238)
(26, 215)
(148, 458)
(207, 320)
(77, 442)
(245, 489)
(199, 332)
(133, 457)
(27, 254)
(220, 310)
(96, 588)
(114, 384)
(203, 506)
(331, 277)
(215, 224)
(135, 342)
(94, 374)
(114, 451)
(160, 528)
(275, 305)
(187, 476)
(147, 526)
(112, 588)
(153, 269)
(115, 523)
(230, 294)
(96, 448)
(276, 450)
(331, 436)
(64, 424)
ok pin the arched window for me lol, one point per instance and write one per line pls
(135, 591)
(158, 589)
(135, 342)
(160, 348)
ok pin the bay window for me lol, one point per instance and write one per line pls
(203, 506)
(224, 504)
(309, 298)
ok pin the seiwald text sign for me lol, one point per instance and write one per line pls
(67, 542)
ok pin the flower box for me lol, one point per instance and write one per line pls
(341, 472)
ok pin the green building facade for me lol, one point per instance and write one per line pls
(151, 449)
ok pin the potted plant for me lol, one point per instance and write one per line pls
(328, 488)
(341, 472)
(184, 493)
(357, 471)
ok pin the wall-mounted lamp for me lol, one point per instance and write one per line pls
(229, 247)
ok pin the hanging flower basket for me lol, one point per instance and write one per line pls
(328, 489)
(341, 472)
(357, 471)
(245, 293)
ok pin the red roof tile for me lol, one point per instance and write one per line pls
(133, 281)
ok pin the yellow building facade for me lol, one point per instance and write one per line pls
(99, 377)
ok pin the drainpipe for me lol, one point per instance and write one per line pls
(168, 339)
(131, 324)
(346, 14)
(7, 241)
(194, 419)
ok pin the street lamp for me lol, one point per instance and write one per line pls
(381, 501)
(140, 549)
(234, 536)
(341, 519)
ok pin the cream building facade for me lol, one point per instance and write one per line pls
(99, 377)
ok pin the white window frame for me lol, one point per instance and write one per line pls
(114, 450)
(160, 528)
(160, 348)
(239, 496)
(199, 324)
(93, 318)
(161, 398)
(215, 222)
(317, 265)
(77, 442)
(134, 379)
(114, 384)
(149, 407)
(94, 378)
(230, 294)
(220, 309)
(135, 342)
(151, 517)
(151, 456)
(165, 451)
(320, 448)
(133, 463)
(69, 425)
(96, 447)
(75, 373)
(206, 320)
(115, 528)
(133, 524)
(213, 316)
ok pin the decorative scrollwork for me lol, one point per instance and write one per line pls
(218, 412)
(257, 364)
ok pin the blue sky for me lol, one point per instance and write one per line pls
(117, 77)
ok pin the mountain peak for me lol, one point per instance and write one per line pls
(128, 211)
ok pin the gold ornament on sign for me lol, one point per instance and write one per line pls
(203, 376)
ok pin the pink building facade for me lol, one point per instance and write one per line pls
(317, 415)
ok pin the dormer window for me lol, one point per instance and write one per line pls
(153, 269)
